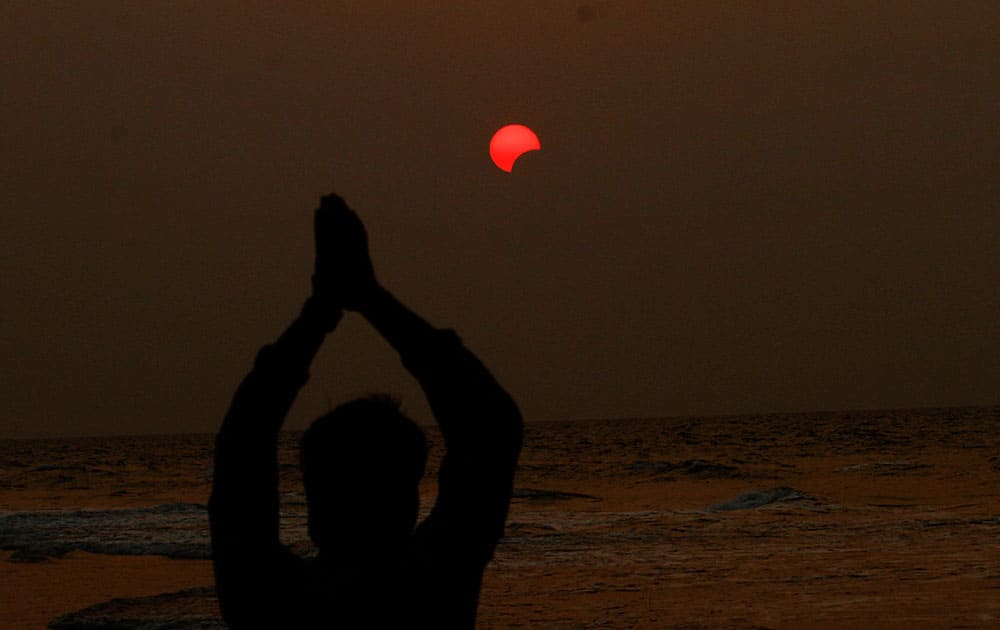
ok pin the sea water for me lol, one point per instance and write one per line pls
(600, 507)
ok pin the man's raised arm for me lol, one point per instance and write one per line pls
(243, 505)
(243, 508)
(479, 421)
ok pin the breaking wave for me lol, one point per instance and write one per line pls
(178, 530)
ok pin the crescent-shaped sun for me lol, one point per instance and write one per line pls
(511, 142)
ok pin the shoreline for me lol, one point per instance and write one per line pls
(52, 587)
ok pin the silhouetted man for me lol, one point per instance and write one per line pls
(361, 466)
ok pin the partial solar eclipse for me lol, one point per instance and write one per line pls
(510, 143)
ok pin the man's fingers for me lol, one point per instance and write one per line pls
(331, 212)
(333, 200)
(329, 205)
(334, 216)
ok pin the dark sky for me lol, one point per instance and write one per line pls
(737, 207)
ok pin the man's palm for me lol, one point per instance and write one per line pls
(344, 273)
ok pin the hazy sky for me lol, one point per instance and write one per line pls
(737, 207)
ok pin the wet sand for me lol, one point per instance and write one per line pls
(50, 588)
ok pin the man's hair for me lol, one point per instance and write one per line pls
(369, 433)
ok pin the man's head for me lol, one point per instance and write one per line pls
(361, 467)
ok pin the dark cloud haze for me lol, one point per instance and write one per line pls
(763, 207)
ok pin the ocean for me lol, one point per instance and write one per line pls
(839, 519)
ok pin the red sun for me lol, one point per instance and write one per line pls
(509, 143)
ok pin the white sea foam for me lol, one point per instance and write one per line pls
(178, 530)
